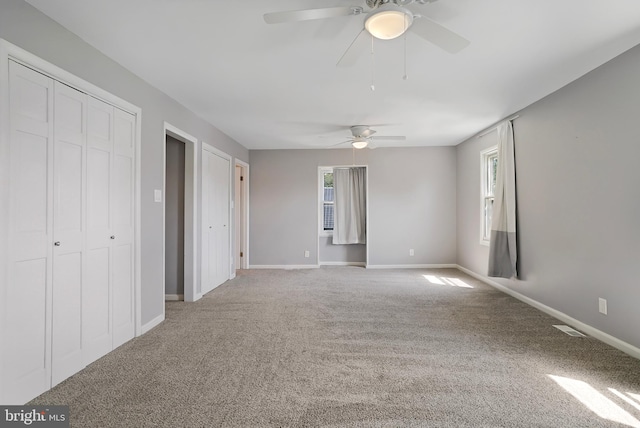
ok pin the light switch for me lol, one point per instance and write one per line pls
(157, 195)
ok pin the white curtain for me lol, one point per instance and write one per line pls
(350, 206)
(503, 255)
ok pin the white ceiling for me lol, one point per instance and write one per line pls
(277, 86)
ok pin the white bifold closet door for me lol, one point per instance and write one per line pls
(70, 108)
(215, 220)
(69, 298)
(123, 231)
(26, 329)
(107, 299)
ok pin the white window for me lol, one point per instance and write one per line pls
(488, 169)
(326, 201)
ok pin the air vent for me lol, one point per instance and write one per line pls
(570, 331)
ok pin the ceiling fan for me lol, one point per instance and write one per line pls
(385, 19)
(362, 135)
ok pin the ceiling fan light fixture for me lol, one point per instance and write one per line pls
(388, 21)
(359, 143)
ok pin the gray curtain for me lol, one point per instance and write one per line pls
(503, 256)
(350, 206)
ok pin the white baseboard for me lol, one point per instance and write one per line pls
(151, 324)
(579, 325)
(173, 297)
(416, 266)
(284, 267)
(359, 264)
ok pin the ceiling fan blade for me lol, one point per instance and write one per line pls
(390, 138)
(339, 144)
(438, 35)
(308, 14)
(355, 50)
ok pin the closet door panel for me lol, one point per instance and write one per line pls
(26, 363)
(30, 188)
(67, 326)
(96, 298)
(123, 227)
(208, 238)
(222, 186)
(68, 223)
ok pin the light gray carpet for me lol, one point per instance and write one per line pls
(351, 347)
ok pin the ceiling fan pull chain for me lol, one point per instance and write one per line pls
(405, 77)
(373, 67)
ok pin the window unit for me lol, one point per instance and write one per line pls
(326, 201)
(488, 170)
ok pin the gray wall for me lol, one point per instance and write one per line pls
(174, 218)
(352, 253)
(27, 28)
(412, 204)
(577, 154)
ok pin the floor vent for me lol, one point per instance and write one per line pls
(570, 331)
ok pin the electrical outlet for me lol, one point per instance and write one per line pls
(411, 252)
(602, 305)
(306, 253)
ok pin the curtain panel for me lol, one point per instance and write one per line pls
(350, 206)
(503, 255)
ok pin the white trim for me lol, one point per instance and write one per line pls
(173, 297)
(415, 266)
(190, 208)
(244, 263)
(360, 264)
(286, 267)
(579, 325)
(366, 190)
(151, 324)
(138, 226)
(4, 197)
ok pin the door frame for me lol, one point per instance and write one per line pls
(243, 206)
(209, 148)
(191, 293)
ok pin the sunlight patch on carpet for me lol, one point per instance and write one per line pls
(596, 401)
(452, 282)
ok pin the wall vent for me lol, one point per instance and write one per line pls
(570, 331)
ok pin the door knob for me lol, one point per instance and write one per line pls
(113, 236)
(57, 243)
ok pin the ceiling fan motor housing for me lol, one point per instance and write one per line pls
(361, 131)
